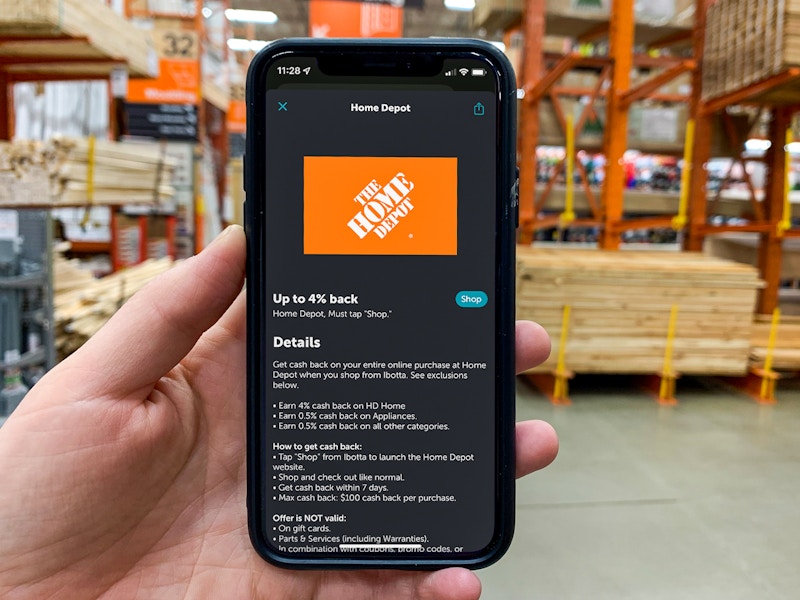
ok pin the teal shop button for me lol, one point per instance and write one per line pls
(471, 299)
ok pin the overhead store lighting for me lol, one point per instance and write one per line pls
(207, 12)
(460, 4)
(265, 17)
(239, 45)
(757, 145)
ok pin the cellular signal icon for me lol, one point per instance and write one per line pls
(450, 73)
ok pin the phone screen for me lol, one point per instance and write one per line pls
(383, 330)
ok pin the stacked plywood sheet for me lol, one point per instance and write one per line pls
(83, 305)
(60, 172)
(786, 352)
(748, 41)
(620, 309)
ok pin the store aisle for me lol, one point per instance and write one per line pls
(695, 502)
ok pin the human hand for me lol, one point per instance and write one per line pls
(123, 470)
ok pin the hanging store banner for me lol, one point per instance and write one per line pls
(345, 18)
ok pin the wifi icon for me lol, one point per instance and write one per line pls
(464, 72)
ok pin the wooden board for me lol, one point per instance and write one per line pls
(82, 306)
(786, 354)
(216, 95)
(70, 37)
(620, 306)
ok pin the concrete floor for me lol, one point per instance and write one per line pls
(700, 501)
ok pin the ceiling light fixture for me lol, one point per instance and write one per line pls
(240, 45)
(460, 4)
(207, 12)
(266, 17)
(757, 145)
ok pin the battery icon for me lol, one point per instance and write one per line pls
(478, 72)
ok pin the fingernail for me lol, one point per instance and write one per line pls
(225, 233)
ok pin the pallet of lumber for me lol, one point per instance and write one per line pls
(786, 352)
(82, 309)
(620, 305)
(77, 30)
(748, 41)
(59, 172)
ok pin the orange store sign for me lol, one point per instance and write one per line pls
(178, 83)
(237, 116)
(344, 18)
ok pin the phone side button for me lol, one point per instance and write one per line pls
(244, 172)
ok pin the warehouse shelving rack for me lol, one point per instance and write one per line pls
(780, 93)
(614, 84)
(54, 40)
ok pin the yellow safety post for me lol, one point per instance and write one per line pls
(768, 376)
(90, 163)
(666, 390)
(679, 220)
(786, 221)
(561, 375)
(568, 216)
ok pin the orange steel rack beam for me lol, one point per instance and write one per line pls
(647, 88)
(532, 69)
(615, 137)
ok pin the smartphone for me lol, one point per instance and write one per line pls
(380, 215)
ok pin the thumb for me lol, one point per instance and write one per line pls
(160, 324)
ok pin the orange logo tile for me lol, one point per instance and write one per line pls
(380, 205)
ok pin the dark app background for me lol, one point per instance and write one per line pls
(426, 323)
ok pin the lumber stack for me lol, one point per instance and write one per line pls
(71, 172)
(786, 353)
(82, 306)
(86, 30)
(747, 41)
(620, 304)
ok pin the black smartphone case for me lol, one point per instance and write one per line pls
(507, 219)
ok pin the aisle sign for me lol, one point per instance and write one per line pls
(162, 121)
(178, 81)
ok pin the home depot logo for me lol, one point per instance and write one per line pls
(382, 207)
(409, 206)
